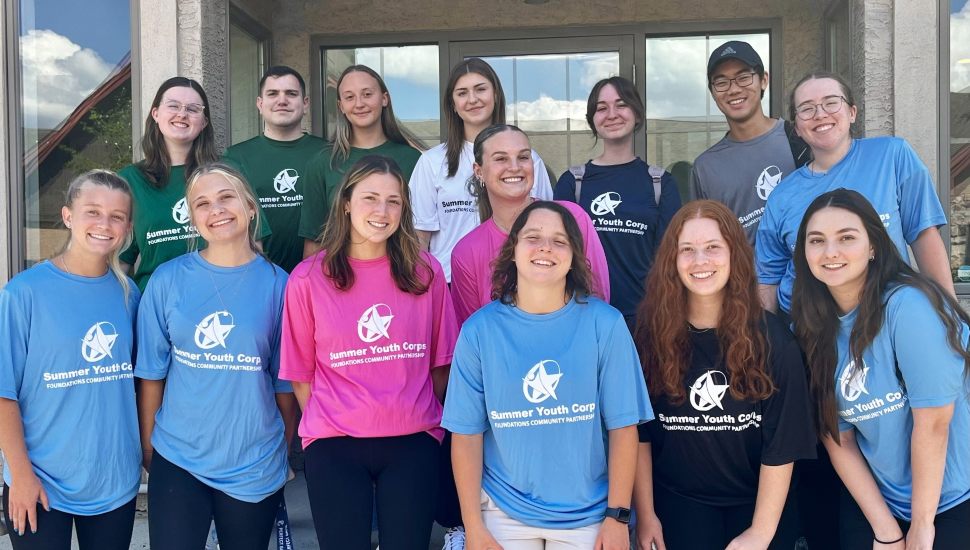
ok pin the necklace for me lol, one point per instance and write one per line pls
(64, 264)
(695, 345)
(241, 278)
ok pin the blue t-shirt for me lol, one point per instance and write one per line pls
(885, 170)
(620, 201)
(218, 351)
(878, 403)
(66, 358)
(544, 390)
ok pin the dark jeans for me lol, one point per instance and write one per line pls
(952, 527)
(107, 531)
(344, 477)
(691, 525)
(180, 509)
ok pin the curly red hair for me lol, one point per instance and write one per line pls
(662, 335)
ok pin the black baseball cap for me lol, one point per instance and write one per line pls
(735, 49)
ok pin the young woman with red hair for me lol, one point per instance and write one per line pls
(728, 385)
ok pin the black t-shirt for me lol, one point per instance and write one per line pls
(711, 447)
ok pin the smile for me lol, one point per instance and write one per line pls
(378, 225)
(220, 223)
(703, 274)
(824, 127)
(513, 179)
(735, 102)
(99, 237)
(833, 266)
(543, 263)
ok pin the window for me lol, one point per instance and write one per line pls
(959, 139)
(411, 76)
(682, 118)
(75, 106)
(248, 58)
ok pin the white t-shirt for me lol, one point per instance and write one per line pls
(443, 205)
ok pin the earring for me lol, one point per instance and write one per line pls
(873, 257)
(68, 224)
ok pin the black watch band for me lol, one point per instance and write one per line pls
(621, 515)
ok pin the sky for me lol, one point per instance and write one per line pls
(68, 48)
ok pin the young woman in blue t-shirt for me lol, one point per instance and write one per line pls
(887, 352)
(210, 402)
(543, 399)
(68, 425)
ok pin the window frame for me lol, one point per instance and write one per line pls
(264, 37)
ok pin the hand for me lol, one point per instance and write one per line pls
(25, 492)
(920, 536)
(480, 539)
(613, 535)
(750, 539)
(146, 459)
(649, 533)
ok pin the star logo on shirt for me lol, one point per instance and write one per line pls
(98, 341)
(605, 204)
(180, 212)
(213, 330)
(708, 391)
(541, 381)
(767, 181)
(285, 181)
(852, 383)
(374, 322)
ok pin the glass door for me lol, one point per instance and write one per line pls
(547, 82)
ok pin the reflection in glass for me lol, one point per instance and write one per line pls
(960, 139)
(76, 98)
(246, 67)
(546, 96)
(411, 75)
(682, 118)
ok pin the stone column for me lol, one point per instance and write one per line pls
(872, 64)
(916, 78)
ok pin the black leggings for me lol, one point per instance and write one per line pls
(690, 525)
(107, 531)
(447, 510)
(180, 509)
(952, 526)
(345, 474)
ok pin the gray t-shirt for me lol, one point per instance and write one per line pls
(742, 174)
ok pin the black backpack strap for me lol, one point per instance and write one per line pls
(578, 172)
(801, 153)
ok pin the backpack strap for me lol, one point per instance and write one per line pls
(578, 172)
(801, 153)
(656, 174)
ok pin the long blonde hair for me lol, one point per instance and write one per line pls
(242, 188)
(109, 179)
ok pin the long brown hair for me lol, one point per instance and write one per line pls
(343, 132)
(816, 314)
(662, 328)
(410, 271)
(158, 163)
(505, 276)
(456, 126)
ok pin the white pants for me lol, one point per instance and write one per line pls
(515, 535)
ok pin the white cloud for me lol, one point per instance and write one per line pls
(548, 114)
(418, 64)
(57, 75)
(960, 49)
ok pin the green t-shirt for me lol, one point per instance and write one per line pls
(276, 170)
(162, 226)
(323, 182)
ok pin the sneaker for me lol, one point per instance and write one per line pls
(454, 539)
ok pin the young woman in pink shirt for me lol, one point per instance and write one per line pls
(368, 335)
(504, 175)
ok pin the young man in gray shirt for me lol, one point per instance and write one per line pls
(744, 167)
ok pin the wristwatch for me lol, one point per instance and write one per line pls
(621, 515)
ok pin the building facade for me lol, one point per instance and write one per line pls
(73, 94)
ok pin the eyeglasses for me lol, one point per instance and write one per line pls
(193, 110)
(831, 105)
(723, 84)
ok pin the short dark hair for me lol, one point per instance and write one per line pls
(627, 92)
(277, 71)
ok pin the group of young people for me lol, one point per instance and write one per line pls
(463, 349)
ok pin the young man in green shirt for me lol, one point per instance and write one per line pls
(275, 163)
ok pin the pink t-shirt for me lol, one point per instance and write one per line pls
(366, 352)
(471, 262)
